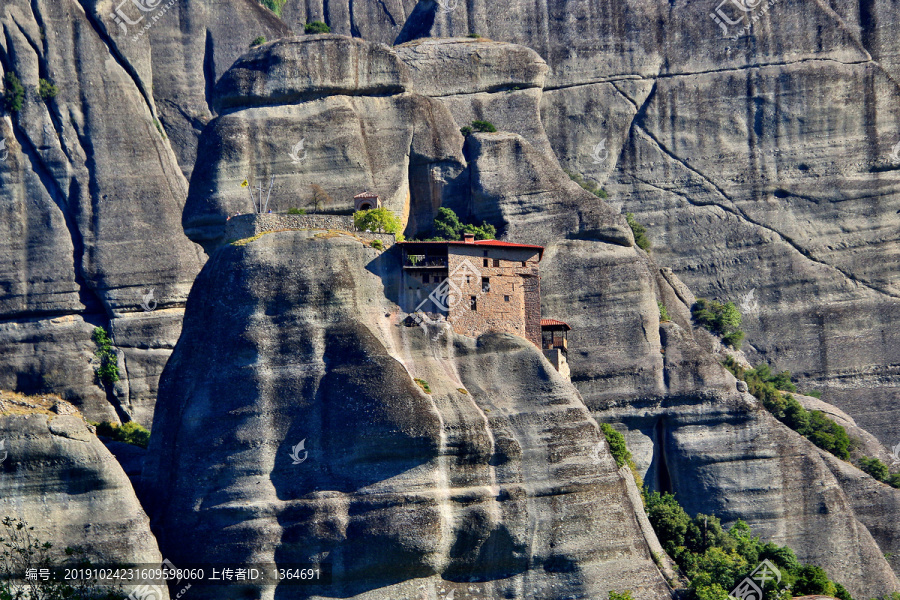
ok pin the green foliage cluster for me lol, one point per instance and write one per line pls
(258, 41)
(379, 220)
(716, 560)
(315, 26)
(47, 90)
(14, 96)
(879, 471)
(620, 451)
(478, 127)
(663, 311)
(296, 211)
(814, 425)
(108, 371)
(423, 384)
(130, 433)
(20, 551)
(721, 319)
(626, 595)
(473, 35)
(448, 226)
(587, 184)
(640, 233)
(274, 5)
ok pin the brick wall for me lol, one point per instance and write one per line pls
(506, 305)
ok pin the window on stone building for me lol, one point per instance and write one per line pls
(496, 262)
(524, 263)
(473, 302)
(506, 298)
(485, 262)
(486, 284)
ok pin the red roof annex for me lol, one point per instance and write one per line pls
(554, 323)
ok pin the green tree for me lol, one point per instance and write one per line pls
(316, 27)
(483, 126)
(258, 41)
(813, 580)
(875, 468)
(448, 226)
(720, 319)
(108, 371)
(14, 96)
(47, 90)
(379, 220)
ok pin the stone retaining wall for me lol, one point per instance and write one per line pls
(244, 226)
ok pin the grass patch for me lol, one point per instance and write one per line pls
(130, 432)
(314, 27)
(620, 451)
(296, 211)
(259, 41)
(587, 184)
(463, 391)
(663, 312)
(423, 384)
(274, 5)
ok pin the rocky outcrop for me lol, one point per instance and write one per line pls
(491, 478)
(59, 478)
(93, 200)
(343, 123)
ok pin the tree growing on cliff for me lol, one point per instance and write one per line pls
(721, 319)
(316, 27)
(14, 96)
(379, 220)
(448, 226)
(108, 371)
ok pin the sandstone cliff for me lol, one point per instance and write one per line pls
(497, 480)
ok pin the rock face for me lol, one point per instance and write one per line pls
(495, 481)
(342, 123)
(92, 201)
(58, 477)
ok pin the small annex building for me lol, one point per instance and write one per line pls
(366, 201)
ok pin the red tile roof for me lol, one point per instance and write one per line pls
(554, 323)
(490, 243)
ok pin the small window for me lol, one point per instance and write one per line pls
(484, 252)
(473, 302)
(524, 263)
(486, 284)
(506, 298)
(496, 262)
(468, 279)
(485, 262)
(425, 279)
